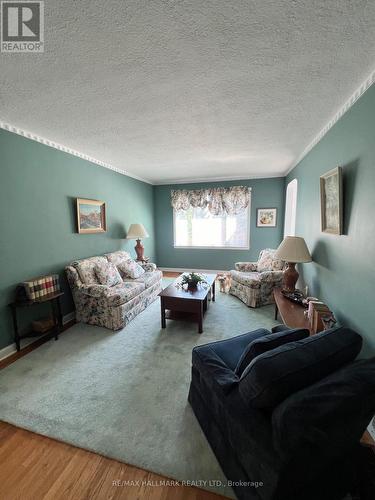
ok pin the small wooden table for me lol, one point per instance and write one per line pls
(291, 313)
(186, 304)
(54, 300)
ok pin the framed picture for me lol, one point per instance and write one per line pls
(331, 201)
(266, 217)
(91, 216)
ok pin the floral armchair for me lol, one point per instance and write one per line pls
(253, 282)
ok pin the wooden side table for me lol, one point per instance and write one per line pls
(54, 300)
(291, 313)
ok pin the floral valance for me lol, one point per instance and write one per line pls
(232, 200)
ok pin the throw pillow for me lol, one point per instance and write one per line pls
(274, 375)
(130, 269)
(266, 343)
(107, 274)
(230, 350)
(265, 262)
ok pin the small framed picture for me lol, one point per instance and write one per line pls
(91, 216)
(266, 217)
(331, 201)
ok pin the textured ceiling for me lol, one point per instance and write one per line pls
(176, 89)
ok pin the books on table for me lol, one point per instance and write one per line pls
(41, 286)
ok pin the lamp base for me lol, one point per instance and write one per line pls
(139, 250)
(290, 277)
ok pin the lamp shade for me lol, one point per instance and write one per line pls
(136, 232)
(293, 249)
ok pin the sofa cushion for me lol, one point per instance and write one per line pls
(130, 269)
(107, 274)
(230, 350)
(122, 293)
(86, 269)
(251, 279)
(117, 257)
(149, 278)
(276, 374)
(321, 414)
(268, 342)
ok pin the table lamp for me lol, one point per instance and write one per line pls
(136, 232)
(292, 249)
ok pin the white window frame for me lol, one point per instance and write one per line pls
(290, 215)
(213, 247)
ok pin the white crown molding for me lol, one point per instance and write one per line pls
(195, 180)
(65, 149)
(344, 108)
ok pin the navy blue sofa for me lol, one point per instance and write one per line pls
(295, 437)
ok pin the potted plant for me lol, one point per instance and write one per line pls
(192, 280)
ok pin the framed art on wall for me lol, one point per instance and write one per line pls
(266, 217)
(331, 201)
(91, 216)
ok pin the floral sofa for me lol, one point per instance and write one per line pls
(253, 282)
(111, 306)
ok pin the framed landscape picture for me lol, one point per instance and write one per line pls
(266, 217)
(91, 216)
(331, 201)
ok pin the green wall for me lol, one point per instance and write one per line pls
(265, 193)
(38, 187)
(343, 271)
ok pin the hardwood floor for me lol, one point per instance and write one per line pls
(35, 467)
(170, 274)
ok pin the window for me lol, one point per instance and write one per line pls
(198, 228)
(290, 208)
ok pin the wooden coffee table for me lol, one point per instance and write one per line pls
(186, 304)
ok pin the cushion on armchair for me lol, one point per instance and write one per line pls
(274, 375)
(268, 262)
(266, 343)
(246, 267)
(250, 279)
(230, 350)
